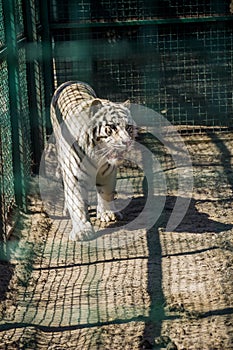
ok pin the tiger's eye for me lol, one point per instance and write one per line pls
(129, 129)
(114, 127)
(108, 130)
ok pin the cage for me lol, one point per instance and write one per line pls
(138, 287)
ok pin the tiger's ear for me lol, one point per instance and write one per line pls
(95, 106)
(126, 103)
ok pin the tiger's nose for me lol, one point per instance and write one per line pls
(127, 143)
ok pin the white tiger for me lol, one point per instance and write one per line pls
(92, 136)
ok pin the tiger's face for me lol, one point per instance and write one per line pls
(114, 130)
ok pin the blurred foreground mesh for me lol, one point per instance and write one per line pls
(133, 289)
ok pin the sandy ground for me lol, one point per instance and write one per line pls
(131, 287)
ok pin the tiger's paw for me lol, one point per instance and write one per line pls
(108, 216)
(82, 232)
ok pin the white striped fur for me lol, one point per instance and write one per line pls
(92, 136)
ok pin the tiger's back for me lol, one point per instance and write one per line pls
(67, 98)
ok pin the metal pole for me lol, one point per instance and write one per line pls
(47, 57)
(36, 120)
(14, 95)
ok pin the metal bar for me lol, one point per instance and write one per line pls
(13, 76)
(36, 134)
(147, 22)
(47, 59)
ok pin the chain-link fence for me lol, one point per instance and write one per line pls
(175, 57)
(120, 10)
(23, 120)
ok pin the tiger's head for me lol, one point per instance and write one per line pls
(113, 130)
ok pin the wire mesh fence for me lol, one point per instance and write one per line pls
(182, 70)
(6, 174)
(132, 10)
(175, 57)
(21, 93)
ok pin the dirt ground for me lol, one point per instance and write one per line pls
(130, 288)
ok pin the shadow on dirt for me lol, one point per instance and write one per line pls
(6, 273)
(193, 221)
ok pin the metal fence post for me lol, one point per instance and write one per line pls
(14, 95)
(36, 120)
(47, 58)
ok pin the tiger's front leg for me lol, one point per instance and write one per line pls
(77, 206)
(106, 210)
